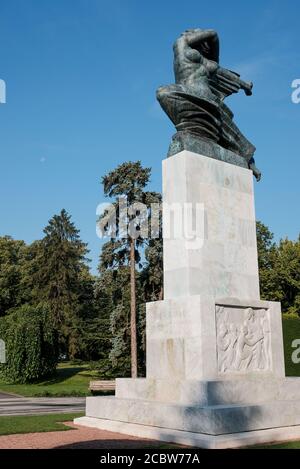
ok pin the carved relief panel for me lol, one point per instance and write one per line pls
(243, 339)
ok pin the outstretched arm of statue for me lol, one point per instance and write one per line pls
(233, 81)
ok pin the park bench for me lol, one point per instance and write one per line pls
(102, 385)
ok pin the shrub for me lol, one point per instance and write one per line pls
(31, 344)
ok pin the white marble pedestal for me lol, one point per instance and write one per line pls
(215, 363)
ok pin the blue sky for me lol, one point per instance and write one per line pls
(81, 77)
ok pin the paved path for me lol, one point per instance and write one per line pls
(15, 405)
(79, 438)
(4, 395)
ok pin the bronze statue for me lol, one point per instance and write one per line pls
(195, 104)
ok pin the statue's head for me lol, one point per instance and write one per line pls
(189, 32)
(192, 30)
(249, 313)
(223, 329)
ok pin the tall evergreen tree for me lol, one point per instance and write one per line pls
(128, 180)
(113, 293)
(58, 269)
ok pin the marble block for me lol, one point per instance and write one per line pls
(218, 255)
(200, 338)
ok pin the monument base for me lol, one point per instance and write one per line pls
(207, 414)
(215, 361)
(198, 440)
(215, 377)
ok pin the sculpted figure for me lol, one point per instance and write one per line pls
(244, 352)
(233, 335)
(265, 346)
(223, 346)
(249, 343)
(195, 104)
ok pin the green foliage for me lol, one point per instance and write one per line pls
(61, 278)
(265, 245)
(279, 270)
(31, 344)
(287, 275)
(12, 255)
(266, 249)
(152, 273)
(291, 331)
(129, 181)
(113, 297)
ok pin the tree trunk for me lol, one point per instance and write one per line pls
(133, 311)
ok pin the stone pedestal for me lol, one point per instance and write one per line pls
(221, 259)
(199, 338)
(215, 363)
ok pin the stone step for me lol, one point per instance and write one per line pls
(212, 420)
(199, 440)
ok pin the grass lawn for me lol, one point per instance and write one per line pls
(70, 380)
(287, 445)
(291, 331)
(35, 423)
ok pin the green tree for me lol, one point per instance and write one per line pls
(267, 253)
(279, 269)
(59, 276)
(12, 257)
(151, 280)
(265, 245)
(31, 344)
(128, 181)
(152, 273)
(286, 276)
(112, 296)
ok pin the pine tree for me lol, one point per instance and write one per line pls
(58, 269)
(127, 180)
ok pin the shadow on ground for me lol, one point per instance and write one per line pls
(116, 444)
(64, 373)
